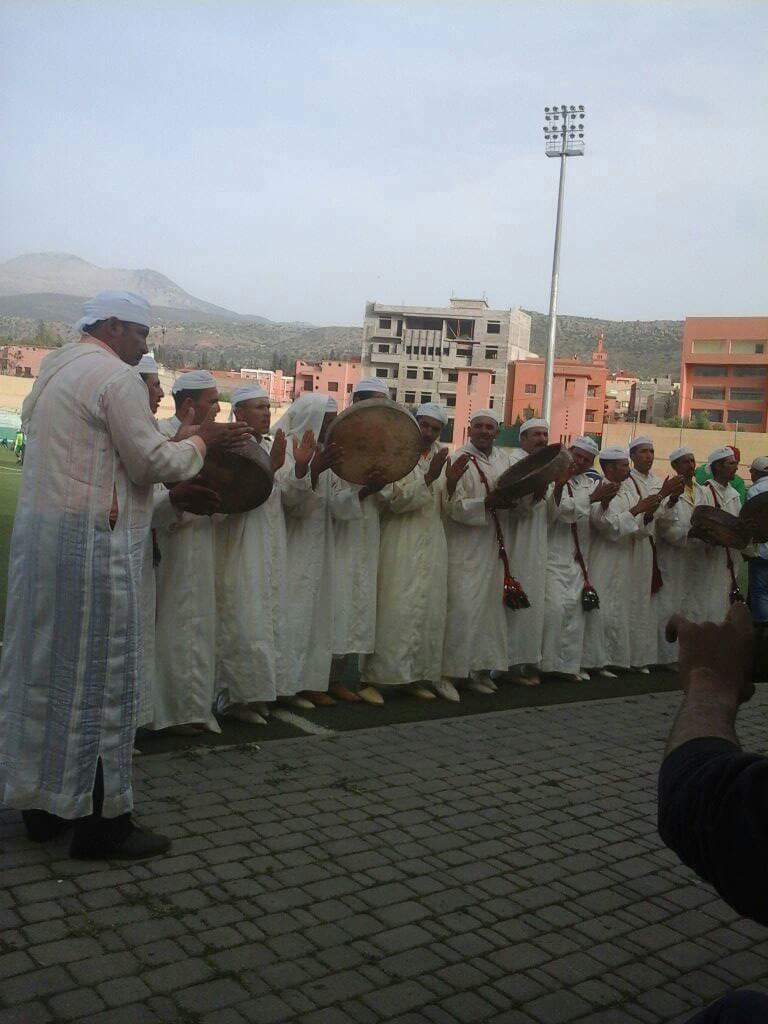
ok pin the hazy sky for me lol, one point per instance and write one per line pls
(298, 159)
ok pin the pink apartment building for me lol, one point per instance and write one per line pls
(336, 377)
(278, 387)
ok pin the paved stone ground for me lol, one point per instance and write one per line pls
(501, 868)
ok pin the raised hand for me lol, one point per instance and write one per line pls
(672, 488)
(303, 451)
(324, 458)
(436, 465)
(716, 658)
(277, 452)
(226, 436)
(647, 505)
(194, 498)
(187, 428)
(374, 482)
(455, 470)
(604, 492)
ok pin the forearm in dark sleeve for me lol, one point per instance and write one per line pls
(713, 812)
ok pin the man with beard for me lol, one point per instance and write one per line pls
(723, 587)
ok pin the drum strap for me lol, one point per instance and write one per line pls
(656, 579)
(513, 594)
(589, 596)
(735, 594)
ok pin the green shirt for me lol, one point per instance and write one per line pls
(704, 473)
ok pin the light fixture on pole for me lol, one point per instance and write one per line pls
(564, 137)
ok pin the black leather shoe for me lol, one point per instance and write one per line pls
(42, 827)
(103, 842)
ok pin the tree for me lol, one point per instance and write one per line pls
(700, 421)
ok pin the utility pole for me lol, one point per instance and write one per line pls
(564, 137)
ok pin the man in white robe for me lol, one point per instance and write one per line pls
(725, 562)
(413, 569)
(476, 619)
(357, 535)
(616, 521)
(686, 562)
(568, 559)
(647, 580)
(526, 527)
(252, 561)
(72, 651)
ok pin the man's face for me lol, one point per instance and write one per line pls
(685, 466)
(534, 439)
(582, 460)
(202, 402)
(615, 470)
(155, 390)
(127, 340)
(642, 458)
(254, 412)
(327, 421)
(483, 431)
(724, 470)
(430, 431)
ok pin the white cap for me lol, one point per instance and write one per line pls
(533, 424)
(246, 394)
(614, 453)
(371, 384)
(586, 444)
(126, 306)
(759, 488)
(640, 440)
(434, 411)
(678, 453)
(147, 364)
(194, 380)
(760, 464)
(726, 452)
(331, 405)
(485, 414)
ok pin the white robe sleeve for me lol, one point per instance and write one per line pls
(345, 502)
(163, 512)
(571, 509)
(407, 495)
(613, 523)
(465, 507)
(295, 492)
(148, 457)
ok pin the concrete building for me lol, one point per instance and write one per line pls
(424, 352)
(618, 390)
(278, 387)
(653, 400)
(724, 371)
(337, 377)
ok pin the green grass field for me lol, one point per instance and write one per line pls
(10, 479)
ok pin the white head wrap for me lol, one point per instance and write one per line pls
(306, 413)
(760, 464)
(126, 306)
(678, 453)
(586, 444)
(614, 453)
(194, 380)
(640, 439)
(332, 405)
(759, 487)
(434, 411)
(246, 394)
(486, 414)
(534, 424)
(147, 364)
(720, 453)
(371, 384)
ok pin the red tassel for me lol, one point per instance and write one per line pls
(514, 596)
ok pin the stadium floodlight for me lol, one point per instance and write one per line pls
(563, 137)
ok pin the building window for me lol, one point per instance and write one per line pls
(747, 348)
(349, 389)
(393, 394)
(747, 371)
(382, 371)
(717, 393)
(399, 331)
(307, 383)
(447, 350)
(453, 376)
(493, 327)
(591, 390)
(745, 416)
(450, 400)
(383, 348)
(713, 415)
(747, 394)
(410, 397)
(425, 397)
(710, 345)
(491, 353)
(530, 389)
(493, 377)
(589, 416)
(464, 352)
(385, 323)
(423, 350)
(429, 375)
(711, 371)
(490, 402)
(408, 350)
(459, 329)
(570, 385)
(333, 385)
(412, 373)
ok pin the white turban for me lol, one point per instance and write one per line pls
(534, 424)
(760, 464)
(678, 453)
(586, 444)
(306, 413)
(725, 452)
(246, 394)
(759, 488)
(194, 380)
(147, 365)
(371, 384)
(126, 306)
(613, 453)
(641, 439)
(484, 414)
(331, 405)
(434, 411)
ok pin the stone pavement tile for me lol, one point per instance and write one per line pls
(557, 1007)
(397, 999)
(77, 1003)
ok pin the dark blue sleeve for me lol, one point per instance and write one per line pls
(713, 812)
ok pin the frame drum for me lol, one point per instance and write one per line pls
(375, 434)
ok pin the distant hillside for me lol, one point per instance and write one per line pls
(648, 348)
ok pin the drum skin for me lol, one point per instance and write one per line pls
(533, 472)
(754, 515)
(242, 482)
(375, 434)
(717, 527)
